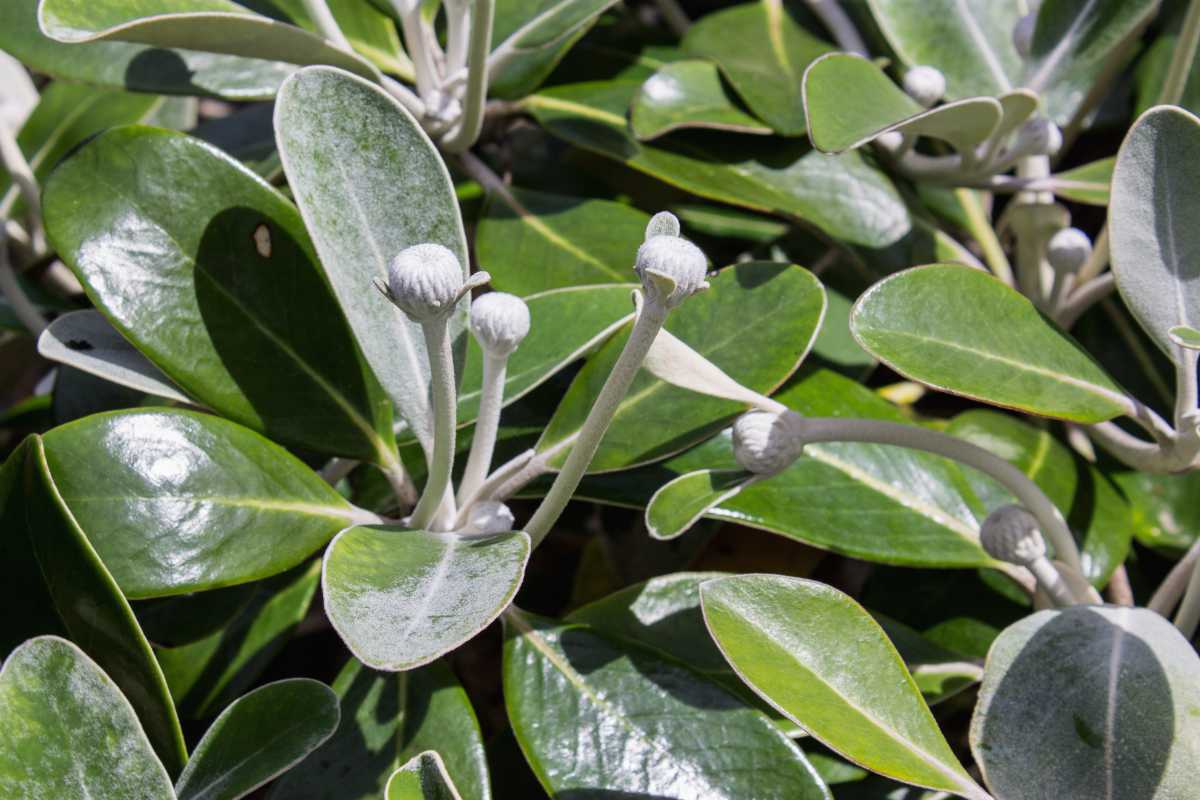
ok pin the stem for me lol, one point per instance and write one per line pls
(1083, 298)
(1166, 596)
(468, 128)
(1129, 449)
(338, 468)
(458, 28)
(1050, 520)
(645, 329)
(1097, 261)
(674, 15)
(402, 485)
(1050, 580)
(1189, 608)
(1181, 59)
(840, 26)
(23, 178)
(323, 18)
(418, 48)
(441, 366)
(491, 398)
(487, 490)
(10, 287)
(1119, 591)
(1185, 388)
(981, 228)
(405, 96)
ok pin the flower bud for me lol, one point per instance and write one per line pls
(675, 258)
(1068, 250)
(1010, 533)
(499, 321)
(765, 442)
(664, 223)
(1038, 137)
(890, 141)
(1022, 34)
(489, 516)
(925, 84)
(425, 281)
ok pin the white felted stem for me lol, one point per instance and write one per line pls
(487, 424)
(441, 365)
(322, 17)
(1189, 610)
(22, 306)
(464, 134)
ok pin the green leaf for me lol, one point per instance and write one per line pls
(881, 106)
(183, 619)
(1112, 694)
(653, 727)
(87, 341)
(533, 241)
(188, 255)
(423, 777)
(841, 195)
(1185, 336)
(962, 331)
(215, 26)
(400, 598)
(61, 587)
(177, 501)
(763, 52)
(1151, 73)
(687, 94)
(656, 419)
(138, 67)
(67, 731)
(970, 41)
(1087, 184)
(817, 656)
(1073, 45)
(730, 222)
(938, 672)
(1165, 512)
(386, 720)
(368, 29)
(369, 184)
(676, 506)
(260, 735)
(530, 37)
(1154, 248)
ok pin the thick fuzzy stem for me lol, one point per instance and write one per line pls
(1166, 596)
(10, 287)
(13, 160)
(322, 17)
(1188, 615)
(441, 365)
(491, 397)
(467, 130)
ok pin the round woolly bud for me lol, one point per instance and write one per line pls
(1068, 250)
(489, 516)
(765, 442)
(664, 223)
(1038, 137)
(499, 321)
(1022, 34)
(425, 281)
(925, 84)
(678, 259)
(890, 141)
(1010, 533)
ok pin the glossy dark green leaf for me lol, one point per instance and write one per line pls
(260, 735)
(369, 30)
(1164, 508)
(137, 67)
(1087, 184)
(529, 37)
(423, 777)
(532, 241)
(687, 94)
(882, 106)
(369, 184)
(209, 272)
(841, 195)
(1112, 694)
(56, 584)
(656, 419)
(183, 619)
(1154, 247)
(763, 52)
(176, 501)
(817, 656)
(386, 720)
(400, 598)
(210, 673)
(1151, 74)
(677, 505)
(729, 222)
(215, 26)
(962, 331)
(596, 717)
(67, 731)
(940, 673)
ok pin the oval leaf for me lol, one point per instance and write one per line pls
(818, 657)
(176, 501)
(259, 736)
(960, 330)
(423, 777)
(400, 598)
(529, 37)
(67, 731)
(687, 94)
(1112, 695)
(676, 506)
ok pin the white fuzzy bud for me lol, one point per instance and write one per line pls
(766, 443)
(675, 258)
(1022, 34)
(664, 223)
(1038, 137)
(489, 516)
(425, 281)
(1068, 250)
(1010, 533)
(925, 84)
(890, 141)
(499, 321)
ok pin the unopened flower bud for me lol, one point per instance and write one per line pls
(489, 516)
(425, 281)
(890, 141)
(664, 223)
(1038, 137)
(675, 258)
(499, 321)
(765, 442)
(1010, 533)
(925, 84)
(1068, 250)
(1022, 34)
